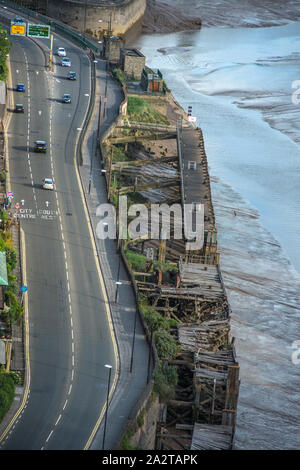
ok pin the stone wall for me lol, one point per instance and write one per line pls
(123, 15)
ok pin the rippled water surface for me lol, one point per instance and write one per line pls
(239, 83)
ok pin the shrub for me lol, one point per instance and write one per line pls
(120, 76)
(7, 392)
(165, 382)
(166, 345)
(136, 261)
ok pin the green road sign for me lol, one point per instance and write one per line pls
(38, 31)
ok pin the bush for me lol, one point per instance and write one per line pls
(7, 392)
(120, 76)
(166, 345)
(165, 382)
(4, 50)
(136, 261)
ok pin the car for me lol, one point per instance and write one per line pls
(18, 20)
(66, 98)
(19, 108)
(66, 62)
(40, 146)
(61, 52)
(47, 183)
(72, 76)
(20, 87)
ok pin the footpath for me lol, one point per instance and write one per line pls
(130, 384)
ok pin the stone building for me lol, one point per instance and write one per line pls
(112, 46)
(133, 63)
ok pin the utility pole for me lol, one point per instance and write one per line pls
(84, 22)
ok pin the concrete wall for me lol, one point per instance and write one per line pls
(124, 16)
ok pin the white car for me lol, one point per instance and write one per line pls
(47, 183)
(66, 62)
(61, 52)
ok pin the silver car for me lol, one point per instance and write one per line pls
(66, 62)
(47, 183)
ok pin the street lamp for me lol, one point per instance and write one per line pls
(84, 22)
(108, 366)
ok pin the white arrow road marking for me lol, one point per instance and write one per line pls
(37, 72)
(17, 71)
(58, 81)
(47, 203)
(86, 94)
(22, 202)
(40, 112)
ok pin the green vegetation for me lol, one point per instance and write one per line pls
(137, 262)
(15, 310)
(120, 76)
(165, 382)
(4, 50)
(164, 267)
(120, 154)
(140, 110)
(8, 381)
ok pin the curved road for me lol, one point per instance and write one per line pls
(71, 336)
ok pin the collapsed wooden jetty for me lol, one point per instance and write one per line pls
(202, 413)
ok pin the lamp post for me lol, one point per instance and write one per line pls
(108, 366)
(133, 340)
(84, 22)
(118, 282)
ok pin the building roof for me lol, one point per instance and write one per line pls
(3, 269)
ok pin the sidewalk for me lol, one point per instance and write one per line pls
(130, 385)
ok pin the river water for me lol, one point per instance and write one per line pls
(238, 80)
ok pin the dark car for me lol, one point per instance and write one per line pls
(19, 108)
(40, 146)
(72, 76)
(66, 98)
(20, 87)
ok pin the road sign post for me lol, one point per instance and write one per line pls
(18, 29)
(38, 31)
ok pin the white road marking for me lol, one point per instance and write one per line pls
(58, 419)
(49, 436)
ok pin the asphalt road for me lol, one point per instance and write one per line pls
(70, 334)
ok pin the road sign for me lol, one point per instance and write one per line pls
(38, 31)
(192, 118)
(18, 29)
(24, 289)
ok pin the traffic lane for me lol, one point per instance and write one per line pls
(18, 130)
(91, 326)
(31, 123)
(93, 346)
(50, 338)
